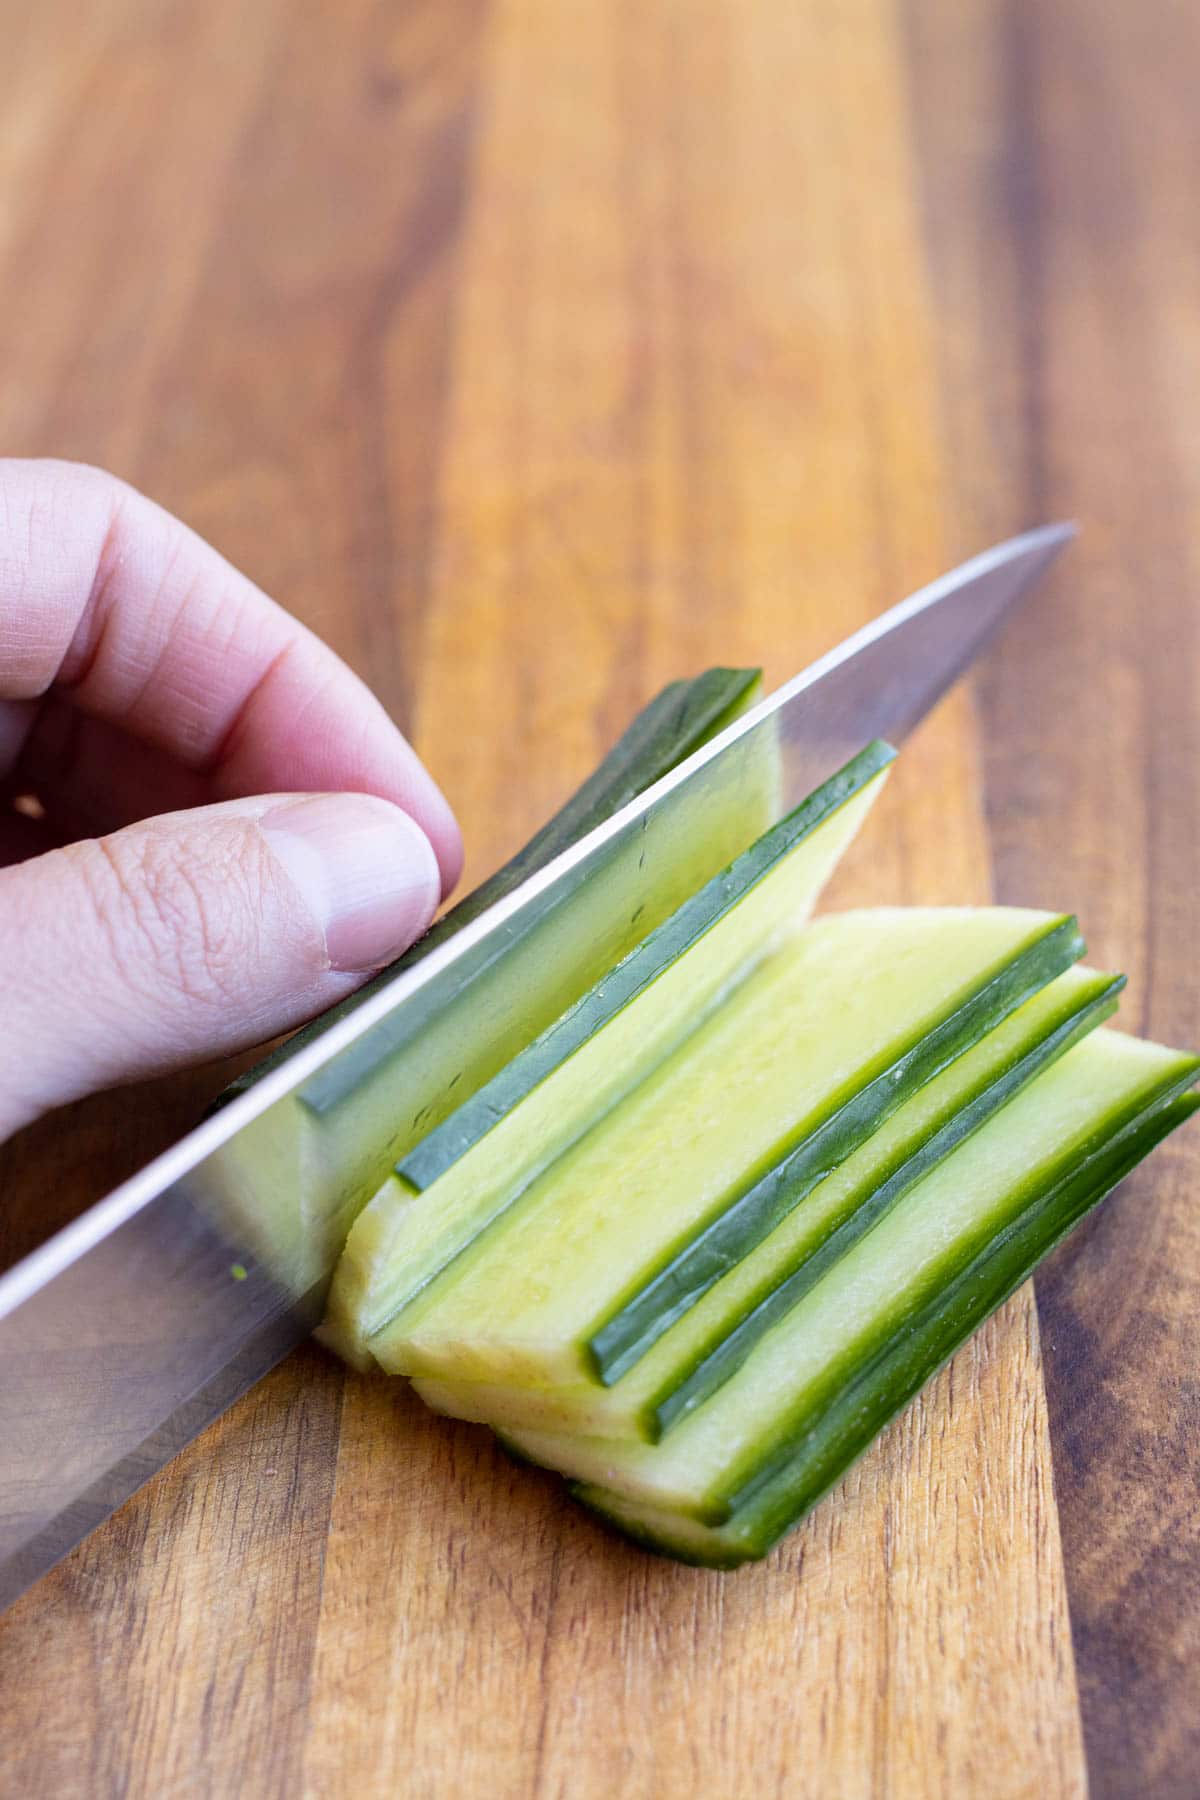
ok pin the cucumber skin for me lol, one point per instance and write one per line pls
(635, 972)
(617, 1343)
(882, 1389)
(834, 808)
(678, 721)
(732, 1336)
(674, 1404)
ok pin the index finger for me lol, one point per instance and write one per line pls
(107, 598)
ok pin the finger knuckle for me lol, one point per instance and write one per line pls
(178, 910)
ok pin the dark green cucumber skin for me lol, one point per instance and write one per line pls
(943, 1305)
(727, 1354)
(678, 721)
(639, 1320)
(437, 1152)
(852, 1420)
(947, 1320)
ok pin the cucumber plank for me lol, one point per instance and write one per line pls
(827, 1376)
(711, 1341)
(888, 1386)
(817, 1047)
(642, 1317)
(690, 958)
(474, 1165)
(303, 1170)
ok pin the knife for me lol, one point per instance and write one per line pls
(131, 1330)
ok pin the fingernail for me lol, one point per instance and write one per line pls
(365, 870)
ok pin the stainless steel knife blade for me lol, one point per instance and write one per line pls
(126, 1334)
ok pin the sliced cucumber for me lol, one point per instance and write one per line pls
(489, 1150)
(661, 989)
(711, 1341)
(642, 1318)
(891, 1383)
(303, 1171)
(813, 1052)
(864, 1339)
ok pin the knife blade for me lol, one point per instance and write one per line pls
(128, 1332)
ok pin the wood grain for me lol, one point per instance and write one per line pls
(1058, 147)
(535, 355)
(638, 437)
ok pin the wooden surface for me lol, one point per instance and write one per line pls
(536, 354)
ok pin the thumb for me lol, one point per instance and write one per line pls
(197, 933)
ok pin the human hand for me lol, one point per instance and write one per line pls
(252, 835)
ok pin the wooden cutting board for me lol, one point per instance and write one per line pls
(536, 353)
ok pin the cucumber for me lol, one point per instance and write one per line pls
(891, 1383)
(306, 1167)
(857, 1347)
(672, 976)
(487, 1152)
(812, 1053)
(711, 1341)
(642, 1318)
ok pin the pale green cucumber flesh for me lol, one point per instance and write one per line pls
(675, 1288)
(761, 1422)
(689, 1361)
(611, 1040)
(712, 1370)
(999, 1264)
(635, 973)
(842, 1003)
(886, 1387)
